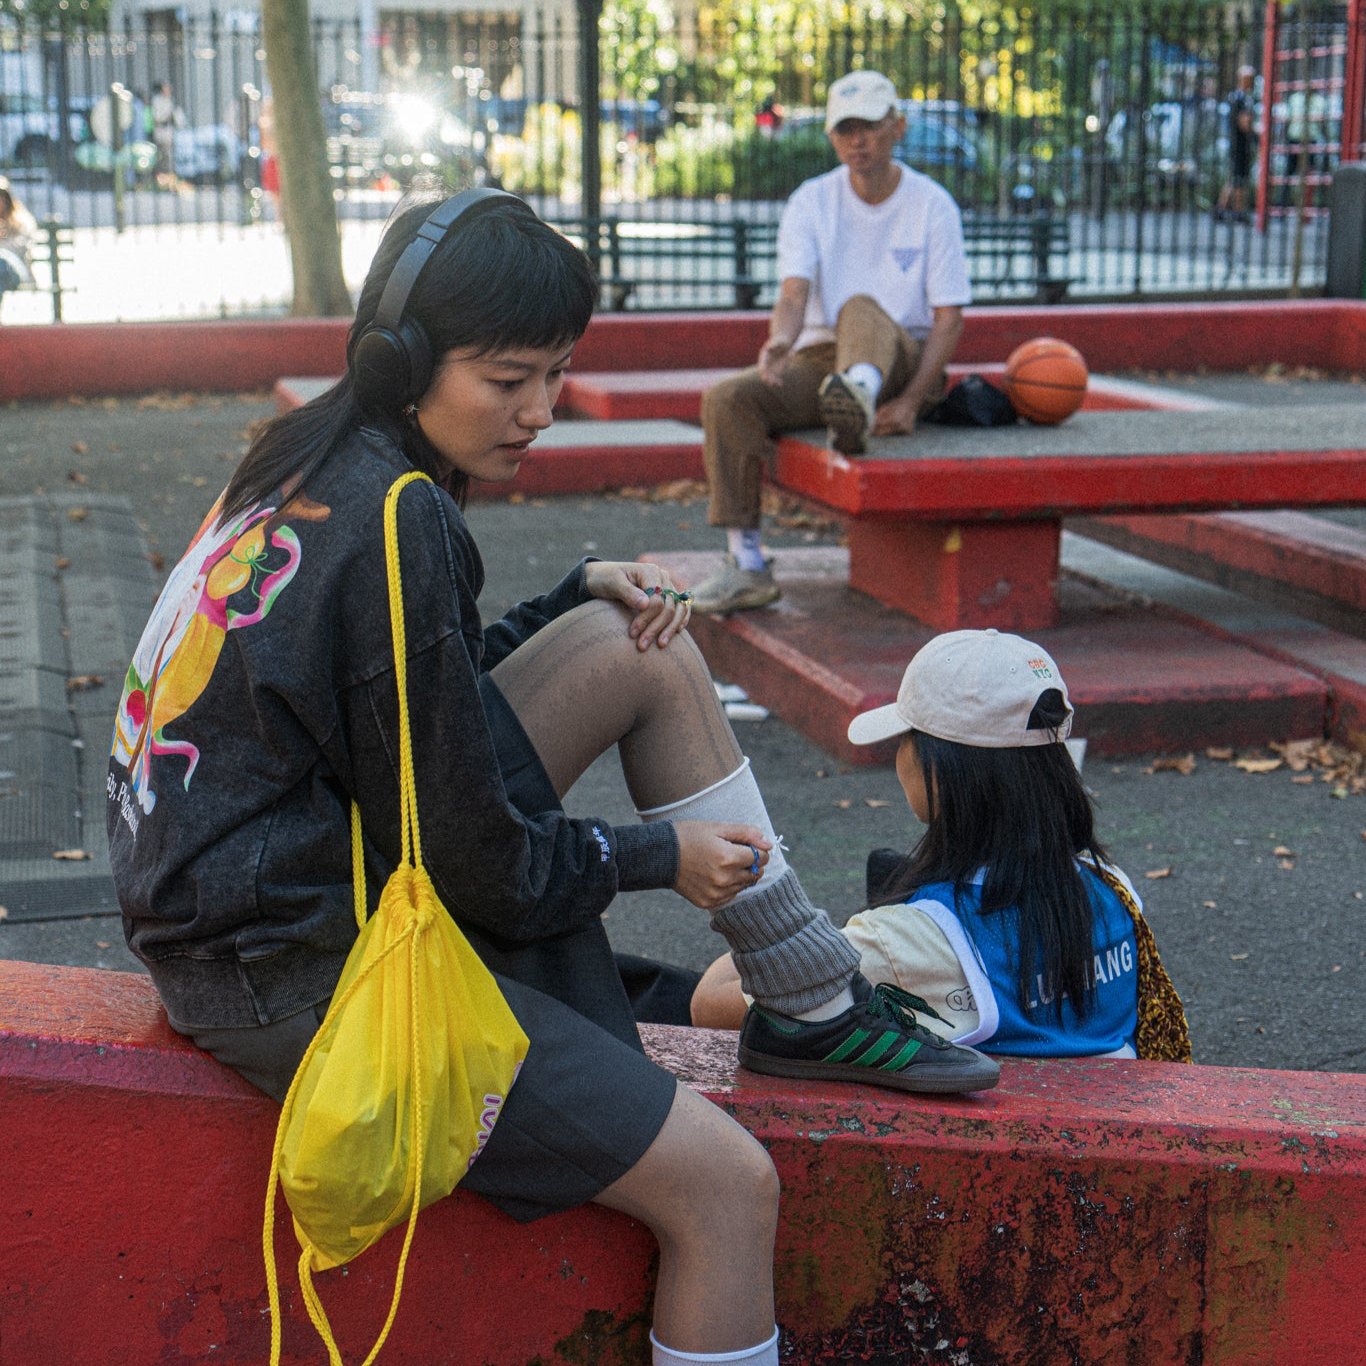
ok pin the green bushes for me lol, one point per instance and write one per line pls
(714, 160)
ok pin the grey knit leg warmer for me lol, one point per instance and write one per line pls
(788, 953)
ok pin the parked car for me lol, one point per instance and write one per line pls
(934, 142)
(644, 120)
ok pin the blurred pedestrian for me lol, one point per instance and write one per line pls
(769, 117)
(17, 233)
(1242, 143)
(167, 117)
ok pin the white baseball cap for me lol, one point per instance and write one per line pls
(859, 95)
(974, 687)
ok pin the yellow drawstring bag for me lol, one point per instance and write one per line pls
(400, 1087)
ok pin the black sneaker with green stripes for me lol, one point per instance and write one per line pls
(877, 1040)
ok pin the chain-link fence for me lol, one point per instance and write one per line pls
(1087, 144)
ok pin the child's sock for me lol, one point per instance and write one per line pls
(788, 954)
(765, 1354)
(743, 543)
(869, 376)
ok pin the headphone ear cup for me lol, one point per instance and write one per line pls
(417, 351)
(380, 370)
(392, 368)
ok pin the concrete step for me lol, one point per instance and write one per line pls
(1142, 679)
(1294, 560)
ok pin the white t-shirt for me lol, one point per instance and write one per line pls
(906, 253)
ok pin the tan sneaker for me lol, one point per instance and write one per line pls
(847, 409)
(732, 589)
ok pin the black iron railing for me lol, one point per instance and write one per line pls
(1101, 132)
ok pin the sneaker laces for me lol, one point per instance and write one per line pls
(898, 1006)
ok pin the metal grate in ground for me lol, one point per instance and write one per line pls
(75, 586)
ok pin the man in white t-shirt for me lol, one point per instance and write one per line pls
(870, 306)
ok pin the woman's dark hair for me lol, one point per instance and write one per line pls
(503, 279)
(1022, 815)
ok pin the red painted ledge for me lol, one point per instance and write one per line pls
(55, 360)
(1103, 1212)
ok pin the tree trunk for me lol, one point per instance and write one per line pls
(306, 203)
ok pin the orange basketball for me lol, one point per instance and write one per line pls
(1045, 380)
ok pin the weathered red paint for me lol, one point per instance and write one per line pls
(823, 654)
(234, 356)
(1085, 1211)
(959, 574)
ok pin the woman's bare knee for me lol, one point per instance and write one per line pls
(704, 1173)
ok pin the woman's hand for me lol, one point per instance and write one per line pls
(716, 862)
(661, 611)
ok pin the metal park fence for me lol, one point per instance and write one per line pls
(1102, 131)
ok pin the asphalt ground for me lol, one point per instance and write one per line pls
(1254, 882)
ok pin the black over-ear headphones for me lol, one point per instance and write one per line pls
(392, 364)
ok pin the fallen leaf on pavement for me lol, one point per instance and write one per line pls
(1219, 752)
(1303, 778)
(77, 514)
(1238, 957)
(1173, 763)
(875, 802)
(61, 562)
(1156, 873)
(79, 448)
(79, 682)
(70, 855)
(844, 803)
(4, 912)
(1210, 905)
(1280, 851)
(1257, 765)
(1287, 863)
(75, 476)
(1298, 754)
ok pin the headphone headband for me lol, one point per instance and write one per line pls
(392, 364)
(419, 251)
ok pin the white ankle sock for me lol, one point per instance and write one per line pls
(744, 544)
(765, 1354)
(869, 376)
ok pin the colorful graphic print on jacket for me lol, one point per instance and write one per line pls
(248, 562)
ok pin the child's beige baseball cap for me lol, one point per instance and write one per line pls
(974, 687)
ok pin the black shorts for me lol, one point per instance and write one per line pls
(587, 1102)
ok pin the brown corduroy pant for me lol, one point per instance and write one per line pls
(742, 415)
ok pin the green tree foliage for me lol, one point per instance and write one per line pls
(58, 13)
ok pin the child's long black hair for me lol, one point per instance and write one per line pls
(1023, 816)
(503, 280)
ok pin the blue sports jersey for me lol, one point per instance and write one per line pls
(988, 949)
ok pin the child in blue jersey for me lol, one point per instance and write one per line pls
(1007, 918)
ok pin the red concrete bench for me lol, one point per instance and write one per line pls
(1085, 1211)
(661, 393)
(962, 528)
